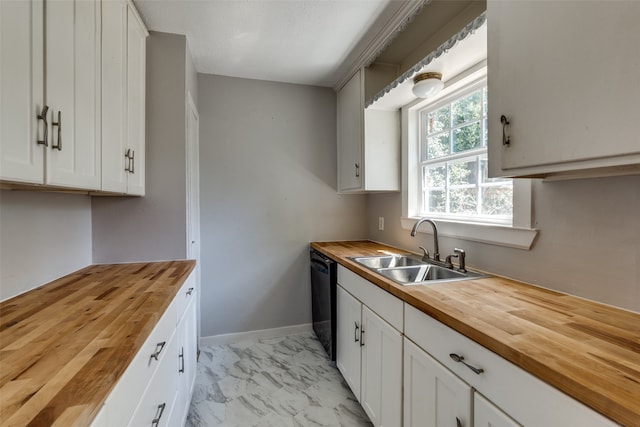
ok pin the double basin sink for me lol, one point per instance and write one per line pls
(406, 270)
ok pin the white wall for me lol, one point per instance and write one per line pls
(151, 228)
(43, 236)
(588, 245)
(268, 187)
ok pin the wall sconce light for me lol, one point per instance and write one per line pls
(426, 85)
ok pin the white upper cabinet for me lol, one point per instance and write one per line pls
(368, 142)
(73, 93)
(123, 103)
(21, 91)
(565, 76)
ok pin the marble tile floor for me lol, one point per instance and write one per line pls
(279, 382)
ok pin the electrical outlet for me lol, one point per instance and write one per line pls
(381, 223)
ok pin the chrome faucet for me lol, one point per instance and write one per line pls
(436, 248)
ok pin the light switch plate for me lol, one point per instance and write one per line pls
(381, 223)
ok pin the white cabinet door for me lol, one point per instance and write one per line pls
(348, 313)
(114, 93)
(433, 396)
(381, 393)
(350, 124)
(136, 101)
(486, 414)
(565, 74)
(187, 361)
(73, 93)
(21, 91)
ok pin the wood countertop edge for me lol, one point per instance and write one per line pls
(599, 402)
(82, 412)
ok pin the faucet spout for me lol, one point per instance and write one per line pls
(436, 246)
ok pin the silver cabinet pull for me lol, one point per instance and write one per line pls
(460, 359)
(43, 116)
(127, 162)
(133, 163)
(58, 124)
(357, 170)
(189, 291)
(181, 357)
(506, 140)
(159, 412)
(362, 336)
(159, 348)
(356, 336)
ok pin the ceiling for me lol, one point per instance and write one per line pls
(312, 42)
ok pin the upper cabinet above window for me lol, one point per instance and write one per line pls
(565, 77)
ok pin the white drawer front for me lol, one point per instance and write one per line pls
(186, 294)
(123, 399)
(159, 398)
(527, 399)
(378, 300)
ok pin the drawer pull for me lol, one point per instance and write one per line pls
(458, 422)
(356, 336)
(362, 336)
(159, 412)
(460, 359)
(159, 348)
(181, 356)
(189, 291)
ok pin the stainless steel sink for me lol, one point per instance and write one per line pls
(406, 270)
(420, 273)
(388, 261)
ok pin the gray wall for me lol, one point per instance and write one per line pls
(150, 228)
(588, 245)
(268, 187)
(42, 236)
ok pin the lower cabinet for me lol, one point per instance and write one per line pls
(369, 350)
(156, 388)
(433, 396)
(486, 414)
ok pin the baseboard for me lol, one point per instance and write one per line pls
(254, 335)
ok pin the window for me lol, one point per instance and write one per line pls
(445, 169)
(453, 161)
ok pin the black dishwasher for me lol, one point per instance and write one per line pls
(323, 300)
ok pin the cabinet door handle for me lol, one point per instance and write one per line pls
(362, 336)
(181, 357)
(458, 422)
(357, 170)
(189, 291)
(159, 348)
(356, 336)
(58, 124)
(506, 140)
(460, 359)
(133, 162)
(159, 412)
(43, 116)
(127, 167)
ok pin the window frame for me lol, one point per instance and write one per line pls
(519, 234)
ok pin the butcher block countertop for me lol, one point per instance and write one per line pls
(64, 345)
(588, 350)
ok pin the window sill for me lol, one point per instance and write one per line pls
(500, 235)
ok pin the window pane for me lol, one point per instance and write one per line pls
(438, 120)
(438, 146)
(467, 109)
(463, 201)
(484, 173)
(467, 137)
(484, 100)
(497, 200)
(465, 173)
(435, 177)
(437, 201)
